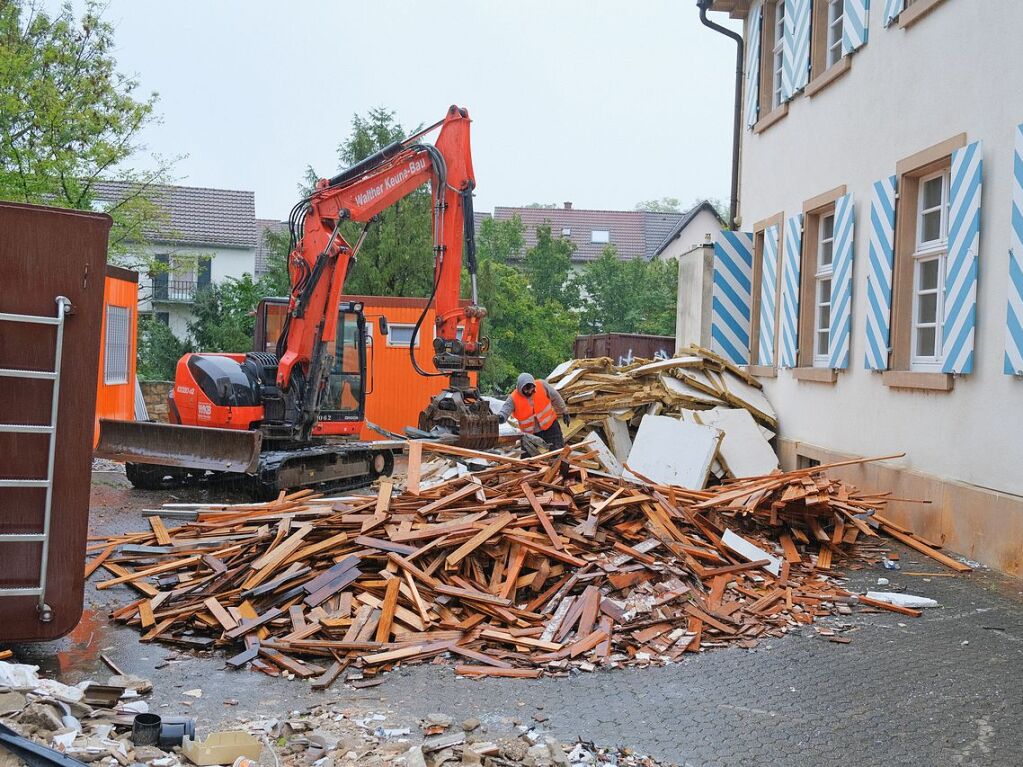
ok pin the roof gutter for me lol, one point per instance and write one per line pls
(733, 203)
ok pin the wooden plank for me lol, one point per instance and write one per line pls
(223, 616)
(545, 521)
(514, 673)
(923, 548)
(175, 564)
(162, 536)
(387, 611)
(413, 472)
(479, 539)
(92, 565)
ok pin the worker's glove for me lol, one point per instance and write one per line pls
(502, 418)
(566, 418)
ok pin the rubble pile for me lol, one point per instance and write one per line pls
(93, 723)
(717, 401)
(529, 567)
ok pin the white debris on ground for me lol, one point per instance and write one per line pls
(58, 716)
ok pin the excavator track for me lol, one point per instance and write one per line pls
(327, 467)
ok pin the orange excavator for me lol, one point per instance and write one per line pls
(291, 419)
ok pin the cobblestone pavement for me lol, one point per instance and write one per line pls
(946, 688)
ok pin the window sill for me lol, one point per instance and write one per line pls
(911, 379)
(771, 118)
(762, 371)
(828, 76)
(815, 375)
(917, 11)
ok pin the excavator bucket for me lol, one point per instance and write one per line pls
(186, 447)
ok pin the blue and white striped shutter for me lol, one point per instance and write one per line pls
(768, 296)
(731, 295)
(753, 66)
(854, 25)
(795, 48)
(961, 261)
(879, 277)
(892, 9)
(841, 284)
(1014, 317)
(791, 255)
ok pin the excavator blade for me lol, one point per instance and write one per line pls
(187, 447)
(461, 412)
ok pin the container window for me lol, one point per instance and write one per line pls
(115, 358)
(401, 335)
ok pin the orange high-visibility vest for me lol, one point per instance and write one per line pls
(536, 414)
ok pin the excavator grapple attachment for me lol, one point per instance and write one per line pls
(462, 412)
(186, 447)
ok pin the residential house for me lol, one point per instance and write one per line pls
(695, 228)
(634, 233)
(877, 286)
(204, 236)
(264, 225)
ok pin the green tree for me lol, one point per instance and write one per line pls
(500, 240)
(69, 119)
(634, 296)
(158, 350)
(663, 205)
(223, 319)
(525, 333)
(276, 282)
(548, 265)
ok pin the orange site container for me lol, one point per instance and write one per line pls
(395, 392)
(115, 394)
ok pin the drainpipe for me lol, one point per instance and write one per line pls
(704, 5)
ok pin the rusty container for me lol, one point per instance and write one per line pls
(46, 253)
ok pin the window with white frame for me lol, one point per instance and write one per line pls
(836, 17)
(929, 272)
(116, 345)
(822, 290)
(777, 54)
(600, 236)
(401, 335)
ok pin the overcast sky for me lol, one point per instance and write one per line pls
(598, 102)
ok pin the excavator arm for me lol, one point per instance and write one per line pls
(321, 258)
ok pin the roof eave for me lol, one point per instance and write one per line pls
(736, 9)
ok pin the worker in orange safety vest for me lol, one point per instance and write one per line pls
(536, 406)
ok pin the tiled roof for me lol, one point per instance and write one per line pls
(685, 221)
(635, 233)
(194, 215)
(262, 252)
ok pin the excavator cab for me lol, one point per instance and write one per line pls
(344, 407)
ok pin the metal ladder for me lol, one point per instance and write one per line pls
(50, 430)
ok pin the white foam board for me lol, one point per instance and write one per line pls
(750, 551)
(618, 438)
(670, 452)
(604, 455)
(744, 451)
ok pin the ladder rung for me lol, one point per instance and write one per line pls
(21, 592)
(46, 375)
(24, 483)
(25, 428)
(30, 318)
(22, 537)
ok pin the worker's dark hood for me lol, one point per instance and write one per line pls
(524, 380)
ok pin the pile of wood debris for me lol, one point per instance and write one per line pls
(528, 567)
(727, 419)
